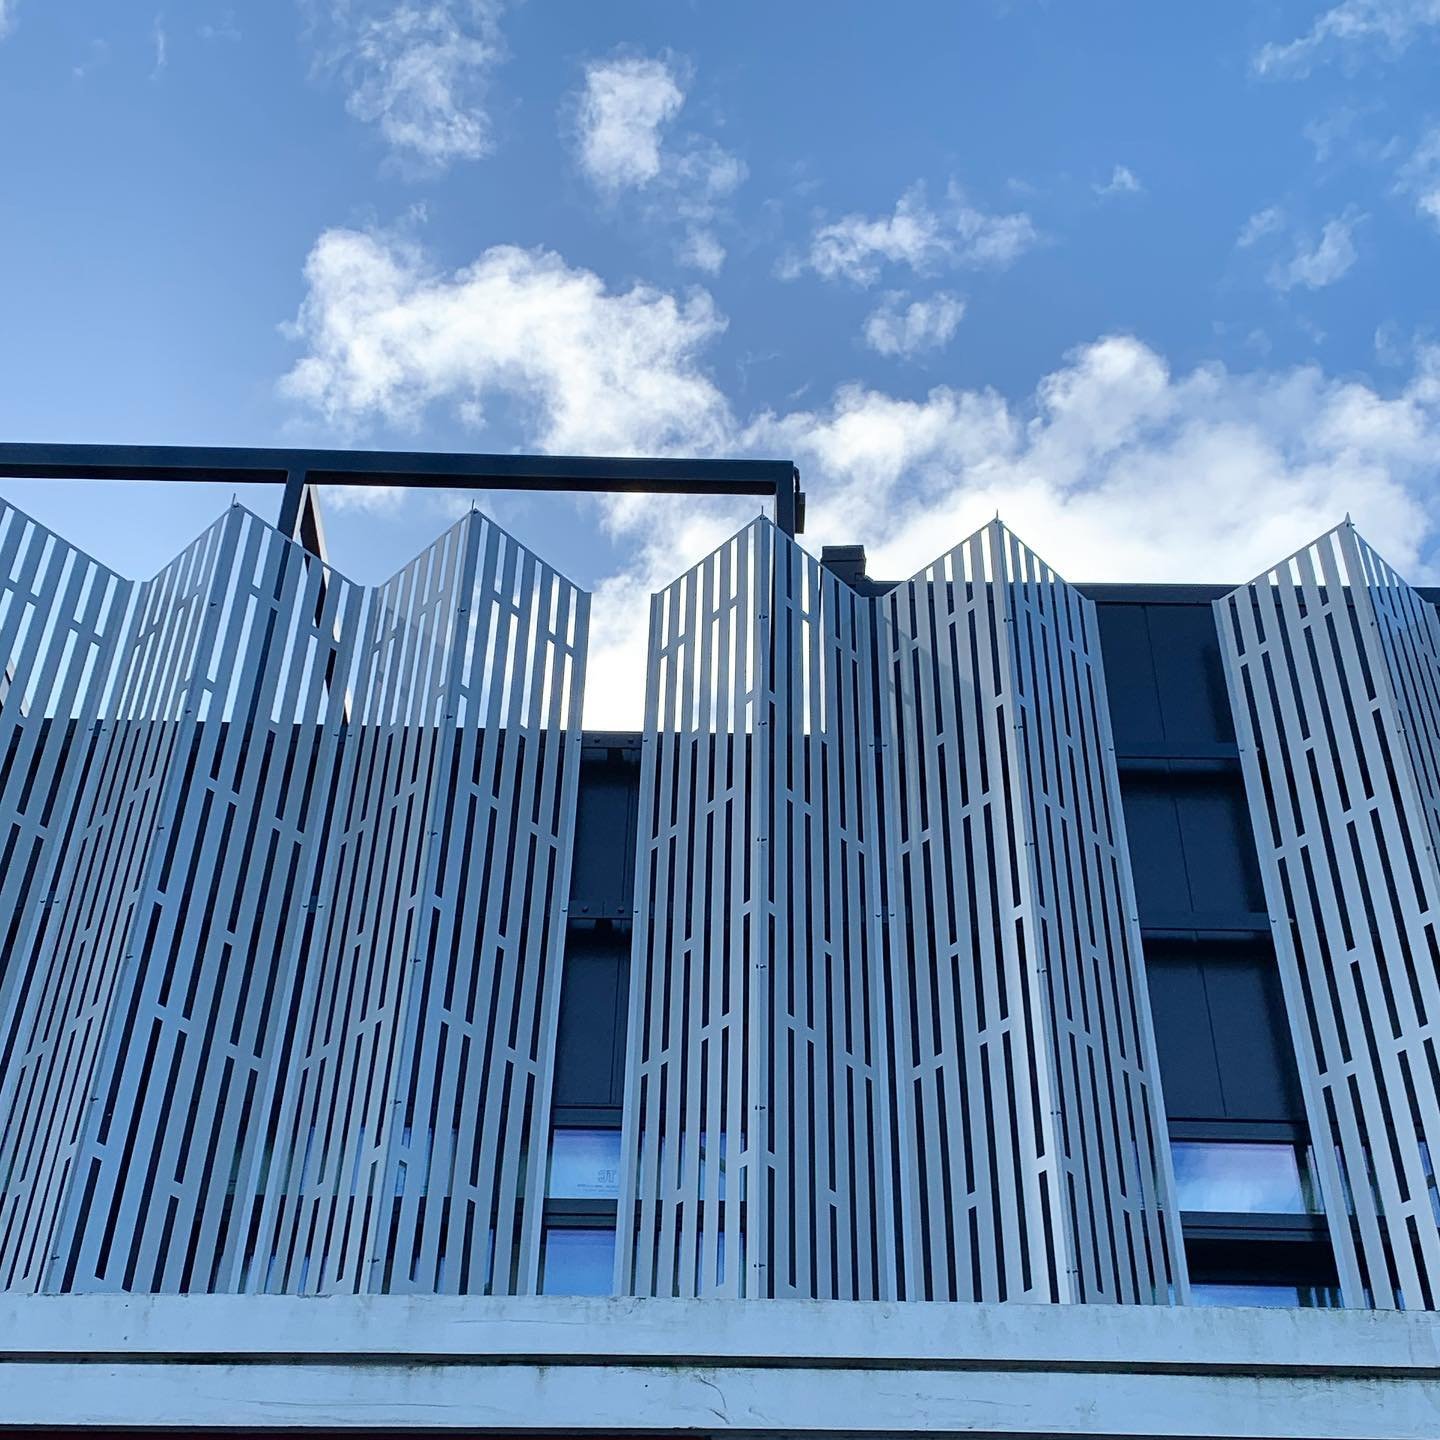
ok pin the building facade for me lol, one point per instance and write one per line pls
(978, 938)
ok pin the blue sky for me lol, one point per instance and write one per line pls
(1156, 282)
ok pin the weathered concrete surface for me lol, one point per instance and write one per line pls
(552, 1365)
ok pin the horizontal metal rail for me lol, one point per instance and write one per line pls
(300, 470)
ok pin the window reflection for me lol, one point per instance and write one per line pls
(585, 1165)
(1287, 1297)
(577, 1262)
(1242, 1178)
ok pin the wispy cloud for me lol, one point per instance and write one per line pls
(1322, 261)
(1420, 177)
(161, 42)
(1261, 223)
(894, 328)
(97, 54)
(622, 123)
(1114, 468)
(1122, 181)
(8, 11)
(1348, 29)
(918, 236)
(222, 29)
(418, 72)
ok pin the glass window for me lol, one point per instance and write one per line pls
(578, 1262)
(1242, 1178)
(1290, 1297)
(585, 1165)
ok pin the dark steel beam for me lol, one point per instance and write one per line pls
(421, 469)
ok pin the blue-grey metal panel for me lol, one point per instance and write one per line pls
(1334, 665)
(223, 722)
(414, 1124)
(755, 1123)
(884, 911)
(63, 619)
(1034, 1159)
(282, 1006)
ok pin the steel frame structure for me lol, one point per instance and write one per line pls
(302, 471)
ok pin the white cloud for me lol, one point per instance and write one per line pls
(1261, 223)
(625, 104)
(1349, 27)
(161, 42)
(857, 247)
(418, 72)
(1118, 469)
(922, 325)
(1322, 263)
(1115, 468)
(620, 122)
(594, 370)
(1420, 177)
(701, 250)
(1122, 181)
(8, 9)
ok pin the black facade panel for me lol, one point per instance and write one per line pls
(1135, 713)
(590, 1049)
(1191, 847)
(1165, 678)
(1185, 653)
(603, 873)
(1221, 1032)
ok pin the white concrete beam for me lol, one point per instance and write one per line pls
(550, 1365)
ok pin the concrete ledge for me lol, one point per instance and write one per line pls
(552, 1365)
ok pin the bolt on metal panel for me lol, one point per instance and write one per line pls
(1333, 668)
(883, 898)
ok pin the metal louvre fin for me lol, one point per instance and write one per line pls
(234, 762)
(63, 619)
(883, 896)
(1034, 1159)
(754, 1133)
(415, 1120)
(1333, 667)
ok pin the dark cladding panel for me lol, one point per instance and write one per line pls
(1189, 1063)
(590, 1049)
(1189, 674)
(1191, 848)
(603, 882)
(1252, 1040)
(1222, 1036)
(1157, 854)
(1135, 706)
(1220, 865)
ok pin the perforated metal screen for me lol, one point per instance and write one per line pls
(922, 1066)
(280, 1008)
(1334, 672)
(284, 895)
